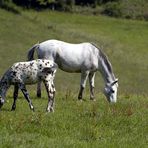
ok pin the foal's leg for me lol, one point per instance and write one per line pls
(39, 89)
(51, 94)
(2, 101)
(15, 95)
(92, 85)
(26, 95)
(84, 76)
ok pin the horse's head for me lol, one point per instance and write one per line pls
(110, 91)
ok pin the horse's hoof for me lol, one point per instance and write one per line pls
(12, 109)
(92, 99)
(39, 95)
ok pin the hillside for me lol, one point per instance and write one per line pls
(75, 124)
(124, 41)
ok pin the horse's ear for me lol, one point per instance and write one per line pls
(116, 81)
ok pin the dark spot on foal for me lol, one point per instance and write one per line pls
(40, 67)
(14, 73)
(31, 64)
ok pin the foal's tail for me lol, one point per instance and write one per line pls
(31, 52)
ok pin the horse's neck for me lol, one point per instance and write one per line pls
(106, 70)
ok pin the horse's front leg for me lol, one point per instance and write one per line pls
(26, 95)
(39, 89)
(92, 85)
(51, 94)
(15, 96)
(84, 76)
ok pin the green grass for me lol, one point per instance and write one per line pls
(74, 123)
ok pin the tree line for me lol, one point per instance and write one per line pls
(131, 9)
(54, 4)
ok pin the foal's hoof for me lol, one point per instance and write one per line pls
(50, 110)
(32, 108)
(1, 104)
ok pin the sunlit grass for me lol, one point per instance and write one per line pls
(76, 124)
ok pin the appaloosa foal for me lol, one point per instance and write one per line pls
(23, 73)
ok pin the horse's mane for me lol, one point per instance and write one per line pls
(104, 57)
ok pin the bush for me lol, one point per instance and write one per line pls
(9, 5)
(65, 5)
(133, 9)
(113, 9)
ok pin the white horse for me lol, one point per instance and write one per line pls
(84, 58)
(22, 73)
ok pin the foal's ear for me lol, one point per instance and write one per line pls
(50, 69)
(54, 67)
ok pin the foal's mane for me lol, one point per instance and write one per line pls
(104, 57)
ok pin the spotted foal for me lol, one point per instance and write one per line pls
(31, 72)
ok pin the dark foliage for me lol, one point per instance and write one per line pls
(8, 5)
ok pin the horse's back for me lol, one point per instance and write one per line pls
(69, 57)
(50, 47)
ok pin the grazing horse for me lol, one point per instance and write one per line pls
(84, 58)
(22, 73)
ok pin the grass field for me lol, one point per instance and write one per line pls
(74, 123)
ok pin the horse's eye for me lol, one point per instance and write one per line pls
(112, 91)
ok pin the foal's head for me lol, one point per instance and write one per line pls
(110, 91)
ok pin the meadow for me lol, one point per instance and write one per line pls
(74, 123)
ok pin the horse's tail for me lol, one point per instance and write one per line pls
(31, 52)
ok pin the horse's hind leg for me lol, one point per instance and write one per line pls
(39, 90)
(84, 76)
(15, 95)
(92, 84)
(26, 95)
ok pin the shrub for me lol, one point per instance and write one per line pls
(133, 9)
(9, 5)
(65, 5)
(113, 9)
